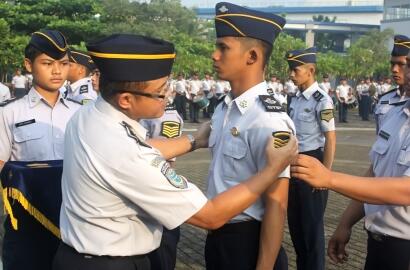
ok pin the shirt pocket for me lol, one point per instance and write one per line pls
(234, 153)
(379, 149)
(307, 123)
(28, 141)
(404, 157)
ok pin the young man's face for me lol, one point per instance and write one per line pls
(95, 79)
(300, 75)
(18, 72)
(229, 58)
(48, 74)
(397, 66)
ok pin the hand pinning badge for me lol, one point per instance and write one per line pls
(281, 138)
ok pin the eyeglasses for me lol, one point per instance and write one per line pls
(163, 90)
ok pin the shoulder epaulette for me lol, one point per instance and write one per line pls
(75, 101)
(220, 99)
(170, 107)
(7, 102)
(131, 133)
(83, 89)
(398, 103)
(317, 95)
(388, 92)
(271, 104)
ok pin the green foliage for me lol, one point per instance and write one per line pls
(85, 20)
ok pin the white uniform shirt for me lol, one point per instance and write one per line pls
(19, 81)
(240, 129)
(325, 86)
(32, 130)
(343, 91)
(291, 88)
(181, 87)
(81, 91)
(4, 93)
(219, 87)
(390, 157)
(118, 192)
(363, 89)
(277, 87)
(312, 113)
(195, 86)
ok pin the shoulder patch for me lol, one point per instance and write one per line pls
(384, 135)
(170, 129)
(399, 103)
(384, 102)
(131, 133)
(326, 115)
(271, 104)
(170, 107)
(388, 92)
(83, 89)
(318, 96)
(72, 100)
(7, 102)
(173, 178)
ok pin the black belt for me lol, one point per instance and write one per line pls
(379, 237)
(237, 227)
(89, 256)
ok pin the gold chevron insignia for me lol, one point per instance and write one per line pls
(170, 129)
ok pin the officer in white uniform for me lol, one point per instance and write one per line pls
(385, 191)
(398, 62)
(4, 93)
(240, 124)
(312, 112)
(181, 92)
(80, 88)
(118, 190)
(32, 129)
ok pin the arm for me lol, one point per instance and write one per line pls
(329, 148)
(226, 205)
(386, 190)
(175, 147)
(276, 202)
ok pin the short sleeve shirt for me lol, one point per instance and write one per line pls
(343, 91)
(19, 81)
(32, 130)
(390, 157)
(118, 191)
(312, 113)
(240, 129)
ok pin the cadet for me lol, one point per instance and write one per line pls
(118, 190)
(240, 125)
(167, 126)
(32, 129)
(80, 88)
(343, 91)
(312, 112)
(19, 84)
(363, 94)
(4, 93)
(398, 63)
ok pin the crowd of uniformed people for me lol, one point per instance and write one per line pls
(114, 116)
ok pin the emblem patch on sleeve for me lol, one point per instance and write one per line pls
(326, 115)
(271, 104)
(173, 178)
(170, 129)
(83, 89)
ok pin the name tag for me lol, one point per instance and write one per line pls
(25, 123)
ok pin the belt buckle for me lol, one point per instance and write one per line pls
(377, 237)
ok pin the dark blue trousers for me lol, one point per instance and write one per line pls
(236, 246)
(306, 209)
(365, 105)
(165, 256)
(342, 112)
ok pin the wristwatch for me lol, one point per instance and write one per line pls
(192, 140)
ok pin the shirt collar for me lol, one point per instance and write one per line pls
(245, 101)
(106, 108)
(35, 98)
(80, 82)
(310, 91)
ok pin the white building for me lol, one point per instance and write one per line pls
(397, 16)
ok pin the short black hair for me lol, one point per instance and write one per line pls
(266, 47)
(109, 88)
(31, 52)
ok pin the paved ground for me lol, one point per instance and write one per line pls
(353, 143)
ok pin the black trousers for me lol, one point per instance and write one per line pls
(306, 209)
(30, 247)
(365, 104)
(236, 246)
(67, 258)
(342, 112)
(165, 256)
(387, 253)
(180, 104)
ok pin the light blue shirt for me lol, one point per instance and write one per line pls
(390, 157)
(312, 113)
(240, 128)
(32, 130)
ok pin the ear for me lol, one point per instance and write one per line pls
(252, 57)
(28, 65)
(124, 100)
